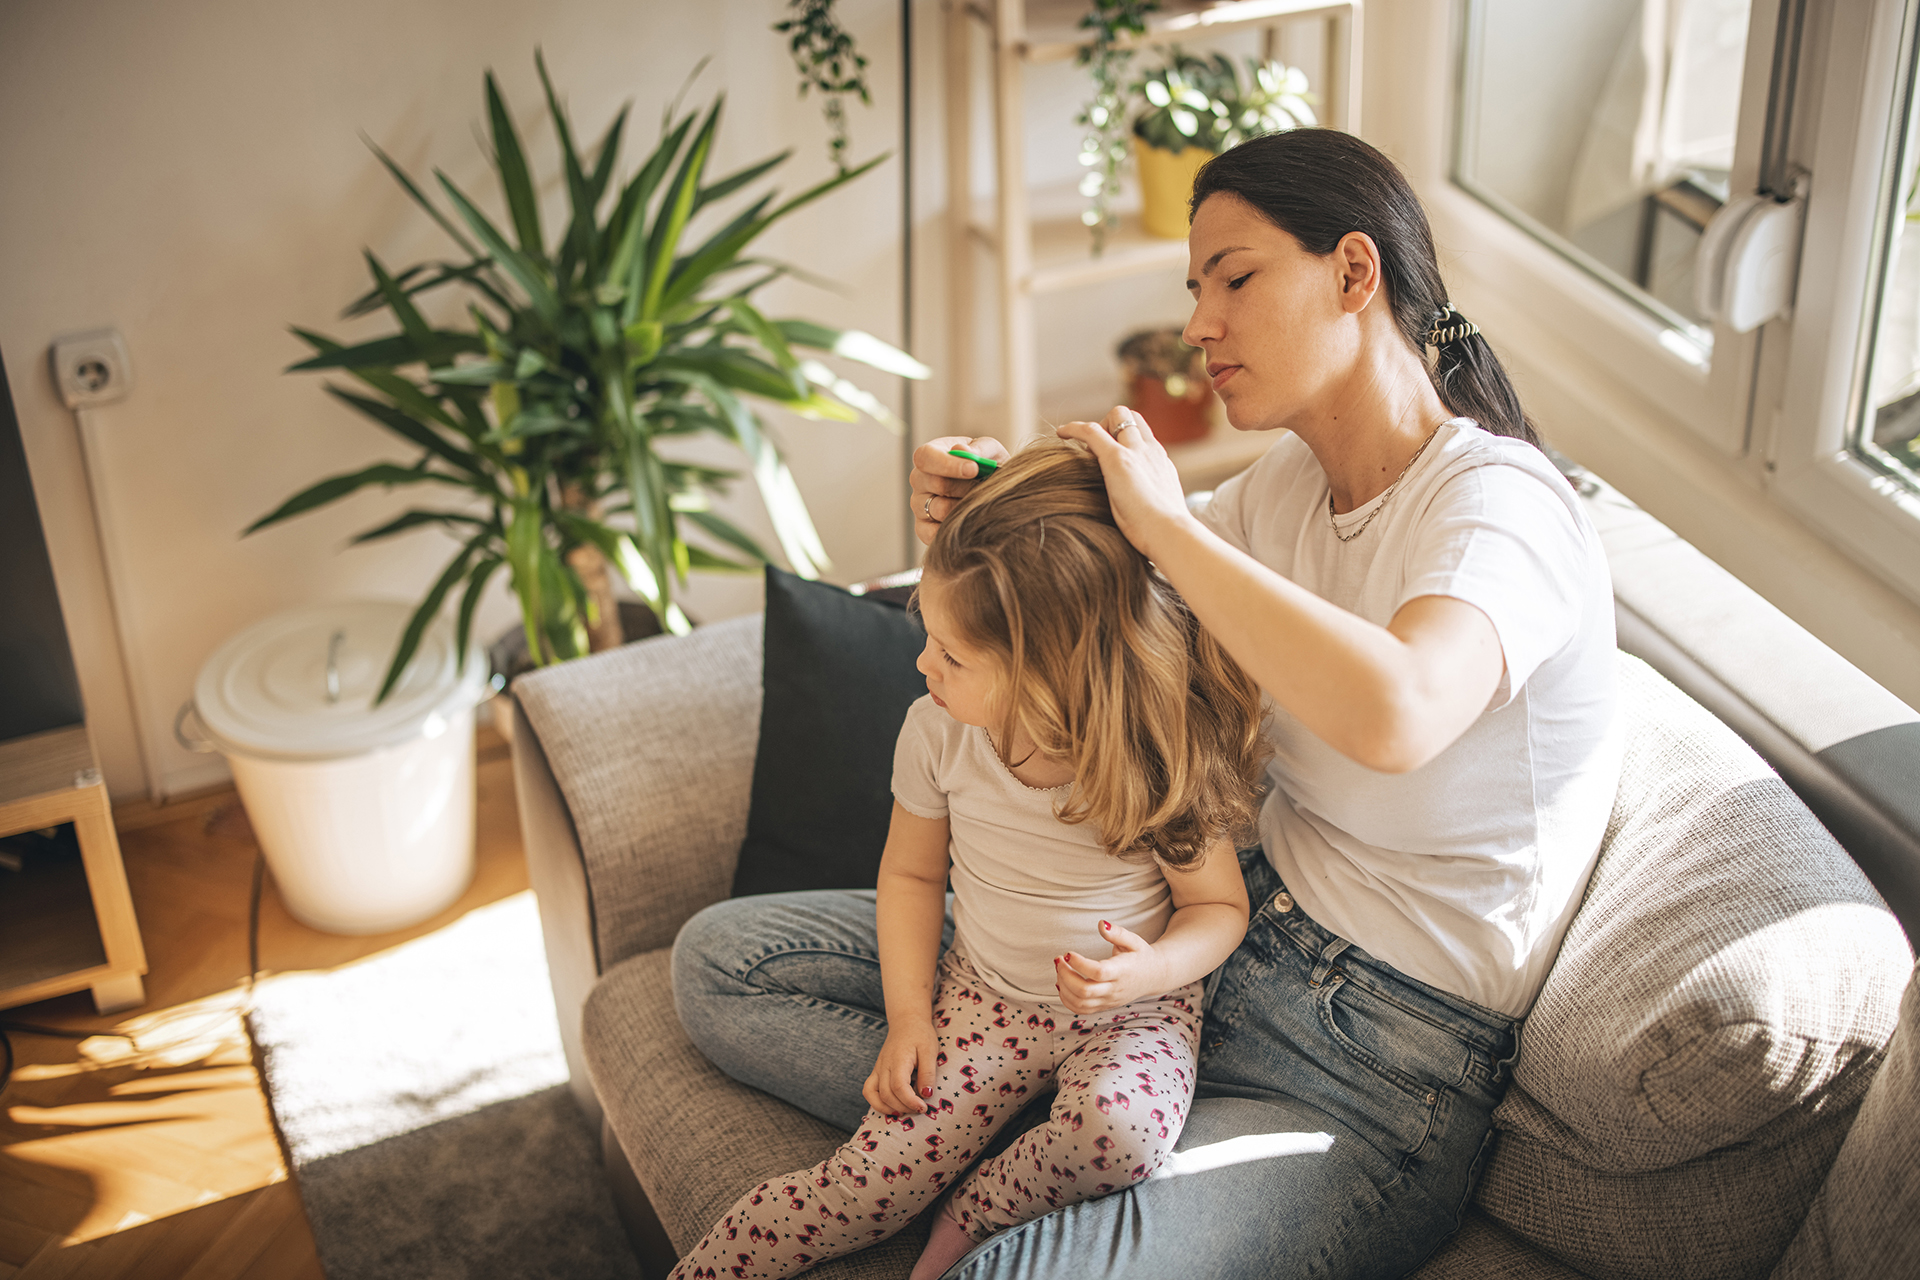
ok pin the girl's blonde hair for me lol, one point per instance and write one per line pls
(1102, 665)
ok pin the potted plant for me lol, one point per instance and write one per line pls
(543, 412)
(1167, 382)
(1197, 108)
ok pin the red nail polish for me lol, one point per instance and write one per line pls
(926, 1093)
(1105, 925)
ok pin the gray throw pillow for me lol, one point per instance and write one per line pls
(1716, 1013)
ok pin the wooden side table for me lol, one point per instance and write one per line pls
(65, 924)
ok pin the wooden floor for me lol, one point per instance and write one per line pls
(158, 1160)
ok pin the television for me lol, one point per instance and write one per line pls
(39, 688)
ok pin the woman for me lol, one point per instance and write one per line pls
(1428, 610)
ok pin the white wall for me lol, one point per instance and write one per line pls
(192, 174)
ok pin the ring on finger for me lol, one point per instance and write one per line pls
(926, 508)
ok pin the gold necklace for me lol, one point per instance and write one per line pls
(1384, 495)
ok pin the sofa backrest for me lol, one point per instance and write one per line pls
(1716, 1014)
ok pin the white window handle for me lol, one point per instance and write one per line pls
(1748, 260)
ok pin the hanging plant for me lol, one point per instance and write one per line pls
(1104, 149)
(826, 59)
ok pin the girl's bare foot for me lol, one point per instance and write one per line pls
(946, 1246)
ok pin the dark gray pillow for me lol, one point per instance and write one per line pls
(839, 676)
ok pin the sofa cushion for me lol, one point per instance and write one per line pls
(839, 676)
(697, 1138)
(1863, 1223)
(1481, 1251)
(1715, 1015)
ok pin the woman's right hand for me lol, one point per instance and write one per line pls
(939, 479)
(902, 1075)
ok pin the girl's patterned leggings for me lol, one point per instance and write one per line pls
(1124, 1079)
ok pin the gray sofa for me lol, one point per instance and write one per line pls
(1710, 1085)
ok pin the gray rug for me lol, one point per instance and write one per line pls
(421, 1096)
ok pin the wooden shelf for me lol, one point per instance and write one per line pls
(65, 927)
(1034, 235)
(1054, 34)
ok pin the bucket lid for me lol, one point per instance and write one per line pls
(267, 693)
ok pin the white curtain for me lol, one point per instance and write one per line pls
(1671, 103)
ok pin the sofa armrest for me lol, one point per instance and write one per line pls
(651, 748)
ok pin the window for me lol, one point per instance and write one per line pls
(1588, 152)
(1839, 452)
(1606, 129)
(1886, 432)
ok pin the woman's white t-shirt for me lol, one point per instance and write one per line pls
(1026, 886)
(1465, 872)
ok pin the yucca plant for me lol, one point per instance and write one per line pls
(576, 362)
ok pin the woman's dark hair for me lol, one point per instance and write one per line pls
(1319, 184)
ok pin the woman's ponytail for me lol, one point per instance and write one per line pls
(1317, 185)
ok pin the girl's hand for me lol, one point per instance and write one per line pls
(1134, 972)
(939, 479)
(1142, 483)
(902, 1076)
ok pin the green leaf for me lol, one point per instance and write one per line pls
(415, 519)
(628, 225)
(478, 373)
(415, 284)
(469, 600)
(414, 324)
(853, 344)
(733, 182)
(698, 558)
(429, 609)
(579, 244)
(335, 487)
(672, 218)
(408, 428)
(722, 252)
(608, 153)
(515, 182)
(419, 198)
(732, 367)
(731, 534)
(764, 333)
(526, 542)
(523, 270)
(396, 388)
(391, 352)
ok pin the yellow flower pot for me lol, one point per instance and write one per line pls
(1166, 184)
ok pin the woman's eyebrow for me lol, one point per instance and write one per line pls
(1214, 261)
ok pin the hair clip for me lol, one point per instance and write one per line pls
(1450, 326)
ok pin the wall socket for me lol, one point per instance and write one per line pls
(92, 368)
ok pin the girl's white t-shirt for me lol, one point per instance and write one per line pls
(1465, 872)
(1026, 886)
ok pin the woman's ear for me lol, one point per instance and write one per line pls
(1358, 260)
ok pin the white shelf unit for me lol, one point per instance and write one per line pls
(1035, 237)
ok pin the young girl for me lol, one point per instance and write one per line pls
(1083, 757)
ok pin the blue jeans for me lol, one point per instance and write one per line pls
(1342, 1115)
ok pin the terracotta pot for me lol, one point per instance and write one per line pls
(1175, 419)
(1166, 184)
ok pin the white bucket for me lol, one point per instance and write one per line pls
(364, 813)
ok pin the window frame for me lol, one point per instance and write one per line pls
(1862, 97)
(1494, 252)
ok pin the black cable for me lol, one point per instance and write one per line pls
(253, 926)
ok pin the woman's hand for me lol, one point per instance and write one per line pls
(1142, 483)
(939, 479)
(1135, 971)
(902, 1075)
